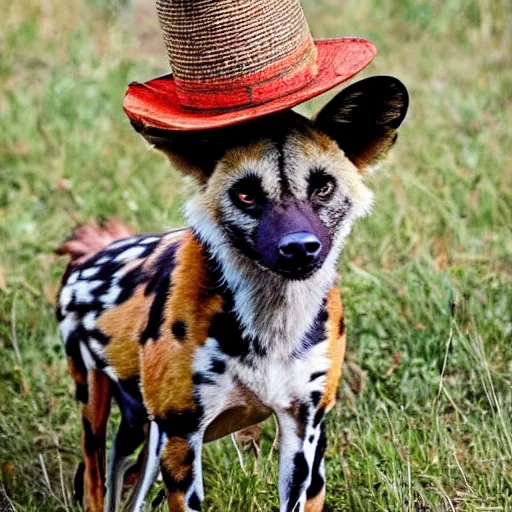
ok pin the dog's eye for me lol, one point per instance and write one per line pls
(248, 194)
(321, 185)
(247, 199)
(324, 191)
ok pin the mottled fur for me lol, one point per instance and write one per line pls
(202, 331)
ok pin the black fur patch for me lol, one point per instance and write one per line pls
(225, 327)
(179, 330)
(132, 388)
(226, 330)
(316, 375)
(59, 314)
(316, 333)
(342, 325)
(82, 308)
(240, 239)
(315, 397)
(201, 378)
(189, 459)
(258, 349)
(162, 269)
(319, 416)
(303, 413)
(98, 336)
(78, 483)
(216, 278)
(180, 424)
(156, 312)
(300, 474)
(218, 366)
(194, 502)
(129, 283)
(72, 349)
(129, 437)
(82, 393)
(129, 399)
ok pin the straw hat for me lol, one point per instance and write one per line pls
(235, 60)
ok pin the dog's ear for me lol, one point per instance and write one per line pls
(194, 153)
(364, 117)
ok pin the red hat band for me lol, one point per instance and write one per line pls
(276, 81)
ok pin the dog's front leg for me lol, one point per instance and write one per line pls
(182, 473)
(301, 467)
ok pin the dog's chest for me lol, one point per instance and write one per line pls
(253, 386)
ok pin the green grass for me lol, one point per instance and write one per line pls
(424, 417)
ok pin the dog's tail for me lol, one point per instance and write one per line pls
(90, 238)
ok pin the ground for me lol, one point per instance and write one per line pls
(423, 422)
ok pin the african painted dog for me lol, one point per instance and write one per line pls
(202, 331)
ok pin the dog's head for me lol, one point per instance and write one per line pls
(283, 191)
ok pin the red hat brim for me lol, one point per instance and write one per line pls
(154, 104)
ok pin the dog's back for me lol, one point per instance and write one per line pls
(108, 292)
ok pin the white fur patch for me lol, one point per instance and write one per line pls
(155, 444)
(67, 326)
(66, 294)
(89, 320)
(130, 254)
(72, 279)
(88, 273)
(121, 243)
(149, 240)
(87, 357)
(83, 289)
(112, 295)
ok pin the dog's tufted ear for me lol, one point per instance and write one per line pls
(194, 153)
(364, 117)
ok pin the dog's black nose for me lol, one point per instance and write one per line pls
(299, 248)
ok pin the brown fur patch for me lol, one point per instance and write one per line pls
(174, 458)
(238, 416)
(316, 504)
(314, 143)
(176, 502)
(95, 416)
(79, 377)
(375, 151)
(335, 349)
(167, 362)
(238, 157)
(124, 325)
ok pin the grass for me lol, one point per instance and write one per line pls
(424, 417)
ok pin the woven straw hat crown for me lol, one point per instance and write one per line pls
(243, 41)
(236, 60)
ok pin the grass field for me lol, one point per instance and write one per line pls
(424, 417)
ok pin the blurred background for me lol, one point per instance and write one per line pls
(424, 417)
